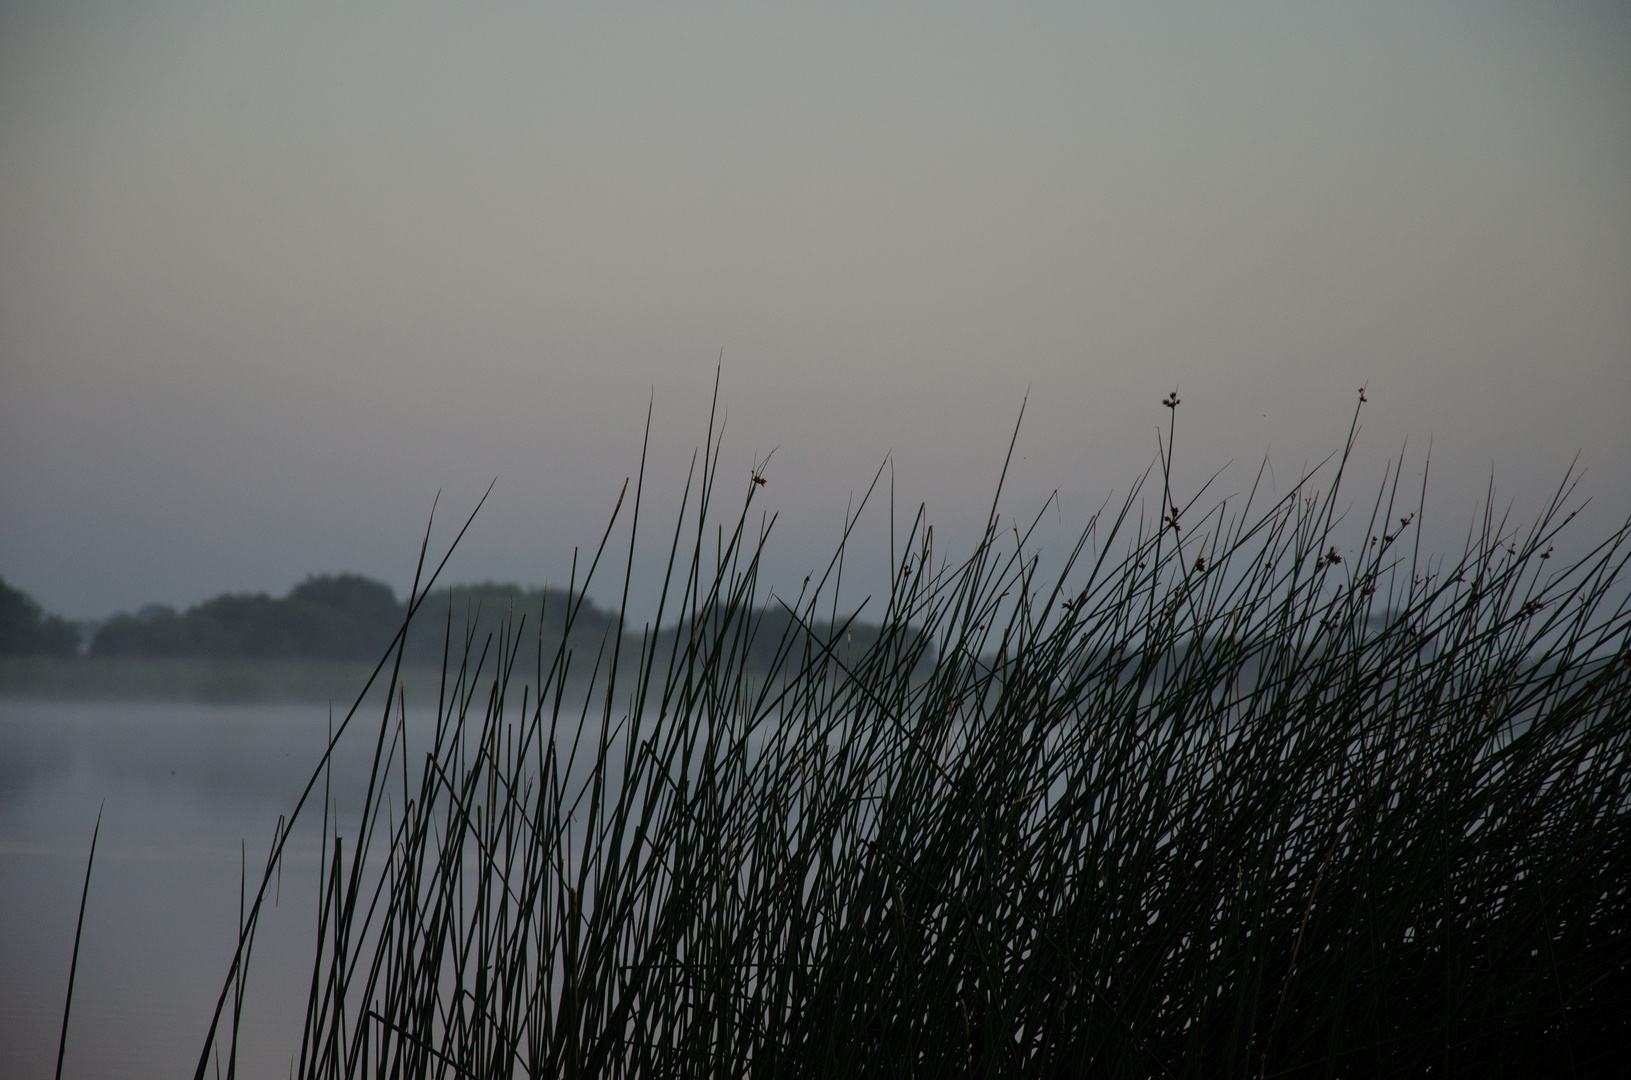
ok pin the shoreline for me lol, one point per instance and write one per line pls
(190, 679)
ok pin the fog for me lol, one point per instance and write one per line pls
(188, 797)
(272, 277)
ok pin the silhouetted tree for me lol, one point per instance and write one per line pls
(332, 617)
(26, 630)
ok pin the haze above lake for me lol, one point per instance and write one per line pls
(188, 792)
(272, 277)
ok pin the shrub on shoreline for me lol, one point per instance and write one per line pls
(26, 630)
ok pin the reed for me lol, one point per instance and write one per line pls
(1212, 800)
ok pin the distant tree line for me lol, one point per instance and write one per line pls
(26, 630)
(348, 617)
(339, 617)
(332, 617)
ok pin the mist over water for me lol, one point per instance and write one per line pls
(192, 791)
(191, 794)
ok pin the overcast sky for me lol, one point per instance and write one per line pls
(272, 275)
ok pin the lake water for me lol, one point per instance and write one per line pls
(187, 790)
(191, 794)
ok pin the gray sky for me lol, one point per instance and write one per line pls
(273, 274)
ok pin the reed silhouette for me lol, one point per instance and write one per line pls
(1220, 797)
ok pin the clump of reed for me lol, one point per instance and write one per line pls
(1212, 799)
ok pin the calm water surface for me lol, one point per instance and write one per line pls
(188, 791)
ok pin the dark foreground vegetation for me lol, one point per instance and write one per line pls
(1219, 799)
